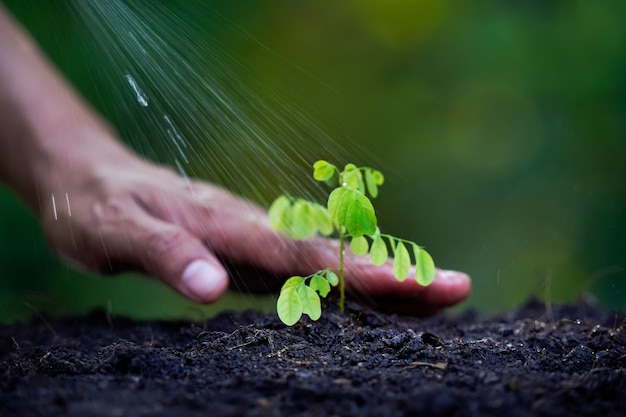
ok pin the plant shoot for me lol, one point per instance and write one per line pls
(348, 214)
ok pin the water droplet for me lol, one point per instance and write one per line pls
(141, 96)
(54, 208)
(67, 199)
(176, 137)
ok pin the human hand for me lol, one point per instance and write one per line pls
(104, 208)
(122, 213)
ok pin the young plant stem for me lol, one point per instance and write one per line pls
(342, 281)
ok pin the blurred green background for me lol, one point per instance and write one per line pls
(501, 127)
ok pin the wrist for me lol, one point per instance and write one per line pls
(47, 132)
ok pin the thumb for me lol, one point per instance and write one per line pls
(170, 253)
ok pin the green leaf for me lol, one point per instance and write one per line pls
(311, 304)
(353, 178)
(338, 202)
(378, 251)
(323, 170)
(332, 278)
(293, 282)
(359, 245)
(379, 178)
(360, 185)
(360, 218)
(288, 306)
(303, 223)
(320, 284)
(401, 262)
(324, 222)
(300, 219)
(372, 187)
(424, 266)
(280, 214)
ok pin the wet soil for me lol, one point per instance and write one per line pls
(569, 361)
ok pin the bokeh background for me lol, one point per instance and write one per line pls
(501, 127)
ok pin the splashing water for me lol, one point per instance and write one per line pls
(183, 97)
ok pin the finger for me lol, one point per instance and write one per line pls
(448, 287)
(168, 252)
(375, 285)
(408, 297)
(378, 282)
(237, 231)
(242, 235)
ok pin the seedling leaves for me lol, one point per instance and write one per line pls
(279, 214)
(401, 262)
(349, 213)
(311, 304)
(320, 284)
(332, 278)
(378, 251)
(424, 266)
(303, 223)
(360, 217)
(352, 210)
(353, 178)
(338, 202)
(293, 282)
(299, 219)
(288, 306)
(378, 176)
(322, 218)
(323, 171)
(372, 187)
(359, 245)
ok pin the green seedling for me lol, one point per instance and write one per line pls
(349, 213)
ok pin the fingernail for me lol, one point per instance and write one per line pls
(200, 280)
(451, 276)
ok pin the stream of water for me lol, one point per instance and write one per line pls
(181, 94)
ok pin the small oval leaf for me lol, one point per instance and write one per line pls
(360, 218)
(338, 202)
(288, 306)
(324, 222)
(323, 170)
(279, 214)
(319, 284)
(359, 245)
(353, 179)
(401, 262)
(372, 187)
(379, 178)
(293, 282)
(303, 222)
(378, 251)
(360, 183)
(424, 267)
(311, 304)
(332, 278)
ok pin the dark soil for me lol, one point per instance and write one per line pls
(522, 363)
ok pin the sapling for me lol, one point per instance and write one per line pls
(349, 213)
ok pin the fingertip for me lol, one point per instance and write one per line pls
(203, 281)
(448, 288)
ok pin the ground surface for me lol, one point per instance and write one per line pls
(523, 363)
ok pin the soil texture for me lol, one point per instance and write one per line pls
(564, 361)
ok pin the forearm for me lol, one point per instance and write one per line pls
(44, 125)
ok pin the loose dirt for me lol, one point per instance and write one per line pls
(569, 361)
